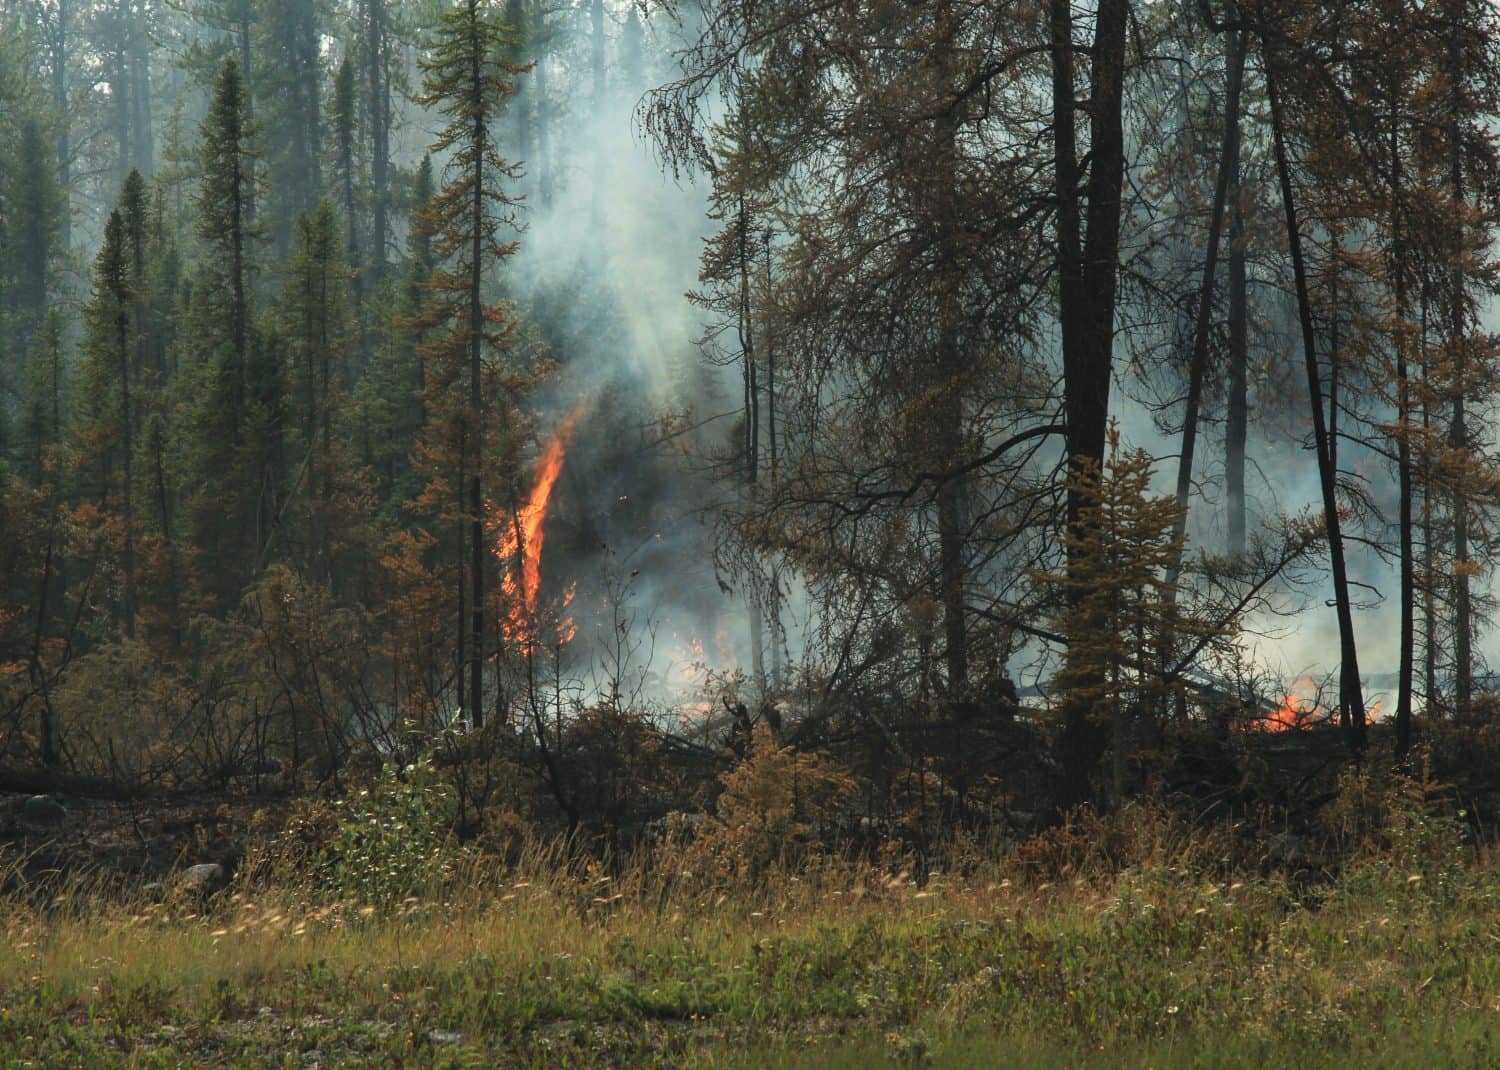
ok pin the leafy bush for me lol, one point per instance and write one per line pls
(393, 839)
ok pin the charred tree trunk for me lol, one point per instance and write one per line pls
(127, 487)
(1237, 429)
(1403, 449)
(751, 446)
(1087, 263)
(1198, 363)
(476, 413)
(461, 663)
(1458, 432)
(1351, 696)
(1430, 695)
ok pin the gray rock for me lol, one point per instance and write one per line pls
(204, 879)
(43, 811)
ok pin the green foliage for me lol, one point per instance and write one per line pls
(392, 839)
(1409, 846)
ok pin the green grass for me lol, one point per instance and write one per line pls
(1154, 967)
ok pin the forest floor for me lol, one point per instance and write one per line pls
(1392, 962)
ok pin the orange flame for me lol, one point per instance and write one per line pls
(521, 537)
(1295, 711)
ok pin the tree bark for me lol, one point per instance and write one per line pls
(1458, 432)
(480, 144)
(1403, 449)
(380, 119)
(1351, 696)
(1198, 363)
(1237, 430)
(1087, 264)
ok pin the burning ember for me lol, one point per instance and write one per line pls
(520, 546)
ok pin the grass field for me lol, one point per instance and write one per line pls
(1393, 963)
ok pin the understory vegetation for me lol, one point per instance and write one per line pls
(1134, 940)
(361, 933)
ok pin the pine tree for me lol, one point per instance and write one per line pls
(107, 380)
(468, 81)
(288, 92)
(314, 328)
(378, 109)
(224, 224)
(232, 498)
(33, 205)
(345, 178)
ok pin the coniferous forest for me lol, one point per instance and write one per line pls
(694, 532)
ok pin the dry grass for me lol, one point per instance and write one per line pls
(1164, 962)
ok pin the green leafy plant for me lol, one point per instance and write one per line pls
(393, 839)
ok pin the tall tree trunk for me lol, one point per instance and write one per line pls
(239, 219)
(121, 94)
(1198, 363)
(164, 518)
(64, 119)
(1431, 703)
(542, 169)
(1351, 696)
(247, 96)
(461, 663)
(140, 83)
(1087, 265)
(1237, 430)
(476, 412)
(1458, 432)
(952, 493)
(751, 446)
(127, 419)
(1403, 448)
(778, 638)
(47, 718)
(380, 127)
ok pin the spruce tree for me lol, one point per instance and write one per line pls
(468, 81)
(314, 330)
(105, 429)
(224, 225)
(232, 502)
(288, 95)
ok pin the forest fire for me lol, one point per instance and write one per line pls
(521, 535)
(1296, 710)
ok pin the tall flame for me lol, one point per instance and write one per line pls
(520, 546)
